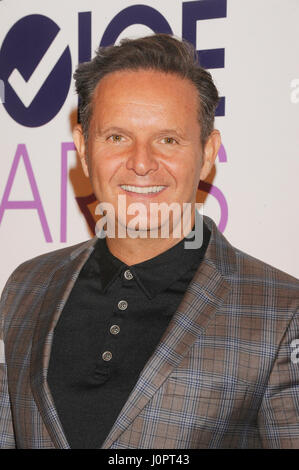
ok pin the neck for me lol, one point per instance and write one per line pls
(136, 250)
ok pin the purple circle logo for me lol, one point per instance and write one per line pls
(36, 69)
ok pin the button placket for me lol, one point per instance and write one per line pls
(114, 328)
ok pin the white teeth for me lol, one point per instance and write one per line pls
(142, 190)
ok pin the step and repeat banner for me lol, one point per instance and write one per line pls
(251, 47)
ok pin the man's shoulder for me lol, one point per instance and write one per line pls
(255, 269)
(48, 262)
(261, 283)
(256, 287)
(239, 266)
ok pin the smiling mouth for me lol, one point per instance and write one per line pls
(142, 189)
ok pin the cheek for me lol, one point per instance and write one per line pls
(103, 169)
(185, 171)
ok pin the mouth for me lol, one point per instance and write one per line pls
(150, 190)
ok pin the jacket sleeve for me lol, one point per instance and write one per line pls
(278, 418)
(7, 436)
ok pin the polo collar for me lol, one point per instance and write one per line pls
(154, 275)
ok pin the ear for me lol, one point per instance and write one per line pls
(79, 142)
(210, 153)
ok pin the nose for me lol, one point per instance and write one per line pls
(142, 159)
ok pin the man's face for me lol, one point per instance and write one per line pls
(144, 140)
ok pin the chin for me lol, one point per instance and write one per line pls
(143, 226)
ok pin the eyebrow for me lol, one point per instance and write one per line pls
(178, 132)
(110, 129)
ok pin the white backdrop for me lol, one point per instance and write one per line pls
(260, 128)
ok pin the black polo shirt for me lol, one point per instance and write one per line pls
(111, 324)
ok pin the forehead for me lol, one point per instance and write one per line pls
(150, 89)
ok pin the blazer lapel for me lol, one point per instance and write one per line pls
(60, 286)
(202, 299)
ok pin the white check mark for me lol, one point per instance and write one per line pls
(27, 91)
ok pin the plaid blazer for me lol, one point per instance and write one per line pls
(224, 375)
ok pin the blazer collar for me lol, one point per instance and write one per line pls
(205, 294)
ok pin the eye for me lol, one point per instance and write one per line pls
(115, 138)
(169, 140)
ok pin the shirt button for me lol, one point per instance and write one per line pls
(128, 275)
(114, 329)
(122, 305)
(107, 356)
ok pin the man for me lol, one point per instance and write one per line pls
(136, 341)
